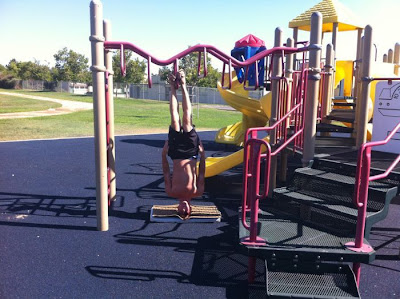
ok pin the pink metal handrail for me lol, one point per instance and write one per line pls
(362, 182)
(251, 160)
(122, 60)
(108, 134)
(253, 155)
(226, 59)
(204, 64)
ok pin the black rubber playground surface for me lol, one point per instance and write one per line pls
(49, 246)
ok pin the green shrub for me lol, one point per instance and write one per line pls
(8, 81)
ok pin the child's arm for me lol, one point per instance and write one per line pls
(166, 171)
(202, 171)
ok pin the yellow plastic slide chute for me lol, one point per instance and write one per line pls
(255, 114)
(217, 165)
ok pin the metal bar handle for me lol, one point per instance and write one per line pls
(204, 64)
(148, 72)
(122, 61)
(246, 74)
(230, 75)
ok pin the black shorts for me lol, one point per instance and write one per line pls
(183, 145)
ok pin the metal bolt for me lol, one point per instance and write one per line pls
(341, 259)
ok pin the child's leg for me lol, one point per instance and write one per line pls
(187, 110)
(174, 111)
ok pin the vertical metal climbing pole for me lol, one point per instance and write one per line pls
(110, 114)
(312, 88)
(100, 144)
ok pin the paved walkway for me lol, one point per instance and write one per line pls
(66, 107)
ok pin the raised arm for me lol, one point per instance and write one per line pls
(166, 171)
(202, 171)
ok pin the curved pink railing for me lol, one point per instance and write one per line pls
(253, 152)
(226, 59)
(362, 182)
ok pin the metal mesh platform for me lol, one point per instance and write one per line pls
(287, 236)
(283, 279)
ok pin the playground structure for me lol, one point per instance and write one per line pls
(299, 103)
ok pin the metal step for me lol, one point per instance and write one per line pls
(332, 141)
(327, 212)
(344, 115)
(343, 98)
(331, 206)
(323, 184)
(290, 279)
(344, 104)
(289, 238)
(349, 165)
(342, 180)
(324, 127)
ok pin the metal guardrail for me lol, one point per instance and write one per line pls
(362, 180)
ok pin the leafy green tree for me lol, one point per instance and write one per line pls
(163, 73)
(2, 68)
(135, 69)
(189, 64)
(71, 66)
(28, 70)
(12, 67)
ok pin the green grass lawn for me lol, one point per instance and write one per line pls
(131, 117)
(9, 104)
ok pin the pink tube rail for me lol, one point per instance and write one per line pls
(256, 149)
(362, 182)
(226, 59)
(108, 134)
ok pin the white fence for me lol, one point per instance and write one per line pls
(158, 91)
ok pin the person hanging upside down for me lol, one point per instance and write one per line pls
(183, 147)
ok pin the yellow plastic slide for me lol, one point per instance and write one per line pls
(217, 165)
(255, 114)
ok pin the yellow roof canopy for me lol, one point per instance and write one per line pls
(332, 12)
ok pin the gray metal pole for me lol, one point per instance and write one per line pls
(312, 89)
(334, 34)
(295, 40)
(390, 56)
(111, 151)
(289, 76)
(276, 72)
(385, 58)
(100, 143)
(357, 64)
(327, 96)
(361, 136)
(396, 59)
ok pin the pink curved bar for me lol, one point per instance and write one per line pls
(122, 60)
(254, 146)
(204, 64)
(208, 48)
(362, 182)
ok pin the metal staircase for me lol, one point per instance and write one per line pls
(307, 227)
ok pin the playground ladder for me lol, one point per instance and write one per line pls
(306, 226)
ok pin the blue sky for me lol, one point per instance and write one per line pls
(38, 29)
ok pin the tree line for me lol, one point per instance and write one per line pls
(71, 66)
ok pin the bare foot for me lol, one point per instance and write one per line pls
(184, 209)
